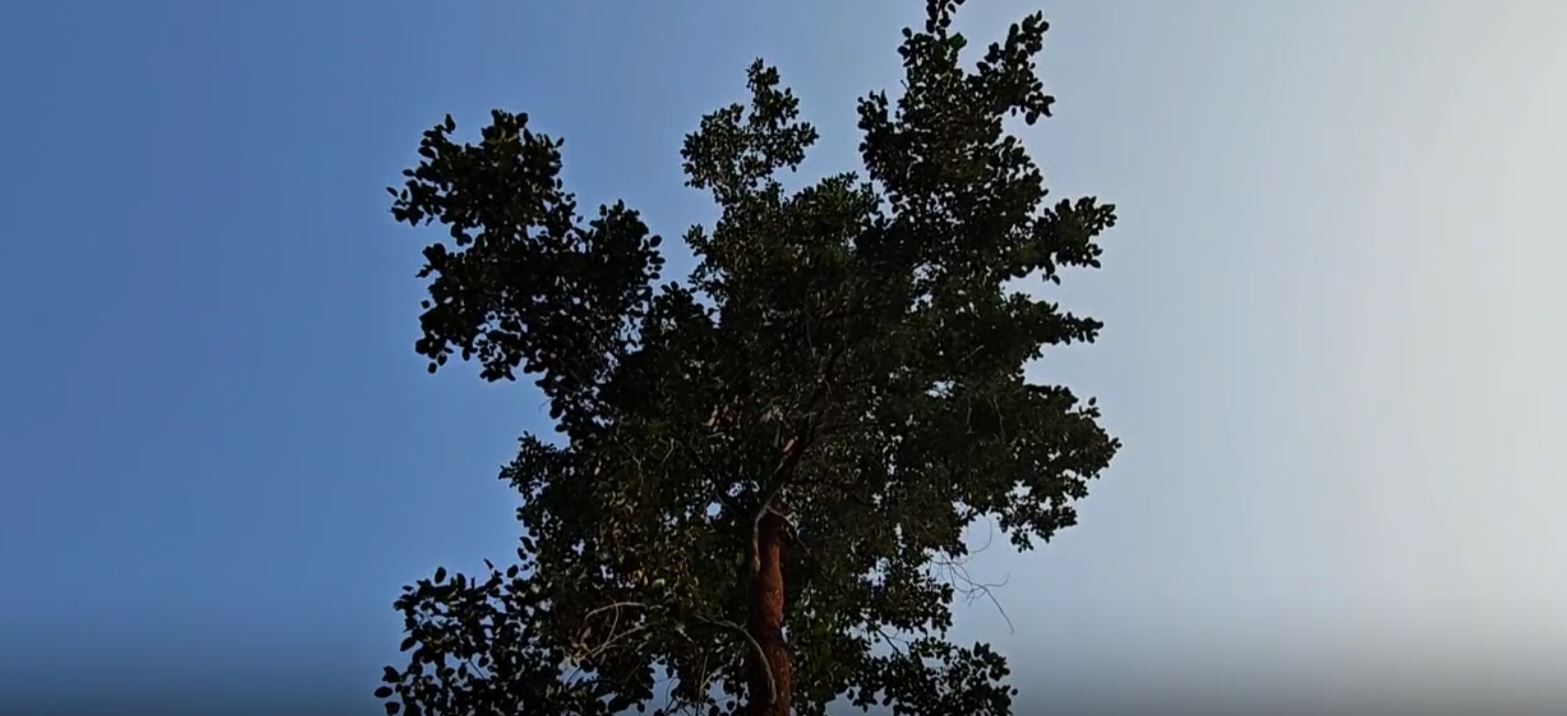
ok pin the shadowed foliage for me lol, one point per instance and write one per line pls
(763, 473)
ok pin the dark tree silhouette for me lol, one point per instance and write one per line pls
(764, 473)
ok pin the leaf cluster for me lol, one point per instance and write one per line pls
(848, 355)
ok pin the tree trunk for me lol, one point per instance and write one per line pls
(772, 678)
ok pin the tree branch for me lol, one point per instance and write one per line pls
(794, 449)
(613, 638)
(767, 667)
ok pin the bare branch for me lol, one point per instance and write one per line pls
(616, 606)
(614, 636)
(964, 583)
(767, 667)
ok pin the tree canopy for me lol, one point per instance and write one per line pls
(762, 470)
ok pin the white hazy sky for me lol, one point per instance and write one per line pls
(1335, 352)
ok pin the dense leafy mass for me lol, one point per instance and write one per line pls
(847, 358)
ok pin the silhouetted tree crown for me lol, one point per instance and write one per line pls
(764, 473)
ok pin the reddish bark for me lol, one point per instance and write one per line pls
(772, 678)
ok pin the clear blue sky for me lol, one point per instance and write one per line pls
(1334, 344)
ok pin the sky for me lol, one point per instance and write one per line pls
(1334, 342)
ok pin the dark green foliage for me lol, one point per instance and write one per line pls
(848, 355)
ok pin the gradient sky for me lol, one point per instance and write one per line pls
(1334, 348)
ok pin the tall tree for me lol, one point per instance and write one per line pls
(764, 473)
